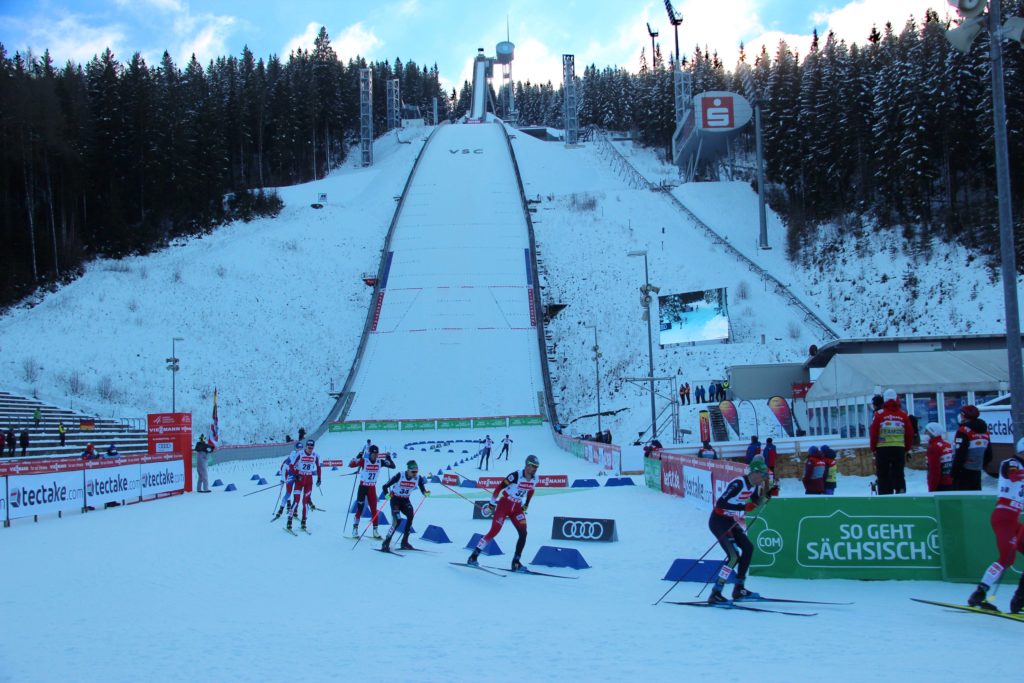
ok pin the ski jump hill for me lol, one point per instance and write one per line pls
(451, 339)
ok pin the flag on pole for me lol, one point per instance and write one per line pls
(215, 424)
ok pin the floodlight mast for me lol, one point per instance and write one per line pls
(653, 34)
(676, 19)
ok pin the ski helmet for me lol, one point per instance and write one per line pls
(757, 465)
(298, 445)
(412, 466)
(532, 460)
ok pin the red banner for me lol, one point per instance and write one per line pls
(780, 409)
(732, 417)
(673, 479)
(489, 483)
(705, 426)
(553, 480)
(172, 433)
(800, 390)
(450, 479)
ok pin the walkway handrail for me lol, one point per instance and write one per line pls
(780, 289)
(549, 397)
(341, 405)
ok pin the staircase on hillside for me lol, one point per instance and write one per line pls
(719, 431)
(16, 413)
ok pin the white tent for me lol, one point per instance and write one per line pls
(859, 375)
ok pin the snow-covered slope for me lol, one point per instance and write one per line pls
(270, 312)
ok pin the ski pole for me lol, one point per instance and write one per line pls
(348, 508)
(756, 516)
(259, 490)
(280, 489)
(472, 502)
(372, 521)
(394, 521)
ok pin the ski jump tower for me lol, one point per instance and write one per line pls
(483, 70)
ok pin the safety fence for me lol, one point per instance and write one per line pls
(699, 480)
(607, 455)
(436, 423)
(29, 488)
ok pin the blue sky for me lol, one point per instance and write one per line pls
(447, 32)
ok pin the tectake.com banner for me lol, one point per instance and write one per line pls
(38, 494)
(162, 477)
(107, 481)
(681, 476)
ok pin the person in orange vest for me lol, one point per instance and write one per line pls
(892, 435)
(940, 459)
(814, 472)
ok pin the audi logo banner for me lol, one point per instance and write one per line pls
(584, 529)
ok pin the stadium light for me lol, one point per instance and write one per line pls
(597, 374)
(646, 303)
(653, 34)
(961, 38)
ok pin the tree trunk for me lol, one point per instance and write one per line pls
(30, 205)
(53, 220)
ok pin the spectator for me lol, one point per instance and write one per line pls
(112, 452)
(682, 395)
(3, 442)
(302, 433)
(725, 390)
(814, 472)
(650, 450)
(707, 451)
(37, 417)
(62, 431)
(940, 459)
(10, 441)
(831, 471)
(23, 442)
(686, 393)
(972, 449)
(90, 453)
(753, 448)
(770, 454)
(890, 439)
(202, 450)
(711, 393)
(288, 438)
(877, 402)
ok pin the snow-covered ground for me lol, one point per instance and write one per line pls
(203, 588)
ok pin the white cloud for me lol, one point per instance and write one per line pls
(159, 5)
(853, 21)
(207, 37)
(69, 37)
(354, 40)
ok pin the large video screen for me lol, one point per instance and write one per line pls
(694, 317)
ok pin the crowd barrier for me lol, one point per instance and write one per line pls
(698, 480)
(436, 424)
(607, 455)
(31, 487)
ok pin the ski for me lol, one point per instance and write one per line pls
(476, 566)
(291, 532)
(976, 610)
(745, 608)
(387, 552)
(524, 570)
(801, 602)
(420, 550)
(306, 531)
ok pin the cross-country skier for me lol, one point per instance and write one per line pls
(303, 467)
(369, 463)
(285, 472)
(515, 492)
(485, 454)
(727, 523)
(505, 443)
(1009, 532)
(399, 487)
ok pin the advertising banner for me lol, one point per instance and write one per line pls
(37, 494)
(172, 433)
(482, 510)
(672, 474)
(489, 421)
(652, 473)
(161, 477)
(525, 421)
(878, 537)
(408, 425)
(732, 418)
(381, 425)
(450, 479)
(583, 529)
(3, 498)
(553, 481)
(345, 427)
(108, 481)
(454, 424)
(698, 487)
(1000, 424)
(780, 409)
(675, 481)
(489, 483)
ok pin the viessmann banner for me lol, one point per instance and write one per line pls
(48, 485)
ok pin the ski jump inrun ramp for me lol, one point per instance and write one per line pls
(453, 330)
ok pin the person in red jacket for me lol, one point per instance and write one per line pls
(814, 472)
(770, 454)
(892, 435)
(940, 459)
